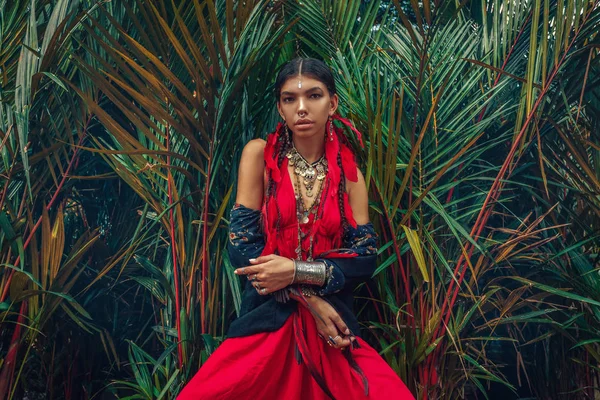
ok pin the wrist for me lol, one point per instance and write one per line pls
(294, 271)
(307, 292)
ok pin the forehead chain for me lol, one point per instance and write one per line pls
(300, 73)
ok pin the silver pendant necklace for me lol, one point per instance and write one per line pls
(309, 172)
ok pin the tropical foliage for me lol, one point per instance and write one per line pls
(121, 123)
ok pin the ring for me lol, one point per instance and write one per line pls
(332, 341)
(257, 286)
(263, 290)
(253, 277)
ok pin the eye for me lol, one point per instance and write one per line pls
(287, 99)
(315, 96)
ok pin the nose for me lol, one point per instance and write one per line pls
(301, 106)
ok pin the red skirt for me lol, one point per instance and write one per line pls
(264, 366)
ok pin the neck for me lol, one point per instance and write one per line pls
(311, 148)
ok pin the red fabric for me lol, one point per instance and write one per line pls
(264, 365)
(328, 228)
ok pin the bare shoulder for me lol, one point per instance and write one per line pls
(250, 184)
(254, 147)
(358, 184)
(358, 198)
(253, 154)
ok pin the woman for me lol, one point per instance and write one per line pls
(300, 235)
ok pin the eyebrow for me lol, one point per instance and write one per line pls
(307, 90)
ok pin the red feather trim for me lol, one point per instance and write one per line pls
(351, 126)
(270, 153)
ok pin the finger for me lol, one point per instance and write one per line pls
(338, 341)
(246, 271)
(341, 325)
(261, 290)
(345, 342)
(261, 259)
(342, 342)
(332, 332)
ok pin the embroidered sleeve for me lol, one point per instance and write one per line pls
(246, 239)
(335, 279)
(354, 263)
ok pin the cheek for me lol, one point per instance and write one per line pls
(326, 106)
(324, 110)
(287, 112)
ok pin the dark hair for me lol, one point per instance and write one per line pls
(310, 67)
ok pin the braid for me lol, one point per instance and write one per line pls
(281, 147)
(282, 141)
(341, 191)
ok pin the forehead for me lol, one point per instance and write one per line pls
(291, 84)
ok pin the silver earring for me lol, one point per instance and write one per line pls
(330, 129)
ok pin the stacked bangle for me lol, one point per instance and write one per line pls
(310, 272)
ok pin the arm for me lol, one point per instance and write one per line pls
(359, 199)
(250, 185)
(246, 239)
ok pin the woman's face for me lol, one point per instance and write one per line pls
(306, 109)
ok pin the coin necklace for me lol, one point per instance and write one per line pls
(309, 172)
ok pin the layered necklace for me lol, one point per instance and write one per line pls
(308, 174)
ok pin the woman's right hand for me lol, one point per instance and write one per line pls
(329, 322)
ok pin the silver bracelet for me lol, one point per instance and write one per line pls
(310, 272)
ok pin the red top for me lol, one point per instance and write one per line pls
(327, 229)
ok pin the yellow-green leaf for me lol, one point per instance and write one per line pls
(415, 245)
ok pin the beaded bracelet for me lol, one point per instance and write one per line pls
(308, 291)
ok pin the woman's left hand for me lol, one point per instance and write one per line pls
(270, 273)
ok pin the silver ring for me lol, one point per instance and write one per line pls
(263, 290)
(254, 277)
(257, 286)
